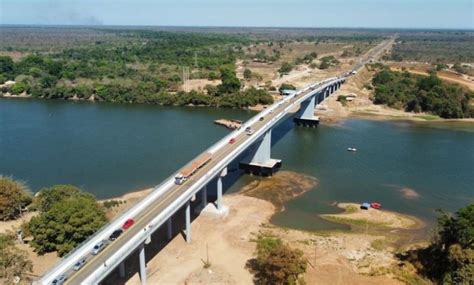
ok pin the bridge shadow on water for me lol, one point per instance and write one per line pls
(159, 239)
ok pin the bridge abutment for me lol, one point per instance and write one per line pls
(260, 162)
(187, 231)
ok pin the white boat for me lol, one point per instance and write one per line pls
(353, 149)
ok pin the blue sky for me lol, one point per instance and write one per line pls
(267, 13)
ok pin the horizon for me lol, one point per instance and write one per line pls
(358, 14)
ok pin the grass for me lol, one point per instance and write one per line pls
(378, 244)
(354, 222)
(428, 117)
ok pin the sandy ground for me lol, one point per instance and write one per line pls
(339, 258)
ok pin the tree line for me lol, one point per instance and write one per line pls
(415, 93)
(144, 70)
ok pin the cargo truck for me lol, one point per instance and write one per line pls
(191, 168)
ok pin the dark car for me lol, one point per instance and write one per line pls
(128, 223)
(261, 118)
(115, 234)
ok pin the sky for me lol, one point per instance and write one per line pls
(447, 14)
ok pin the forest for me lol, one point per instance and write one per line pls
(415, 93)
(134, 66)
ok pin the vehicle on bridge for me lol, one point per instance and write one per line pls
(128, 223)
(191, 168)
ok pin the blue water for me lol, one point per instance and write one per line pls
(111, 149)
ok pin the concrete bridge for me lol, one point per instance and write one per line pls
(158, 207)
(156, 211)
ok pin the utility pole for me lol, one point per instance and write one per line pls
(185, 79)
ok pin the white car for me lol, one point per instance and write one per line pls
(98, 247)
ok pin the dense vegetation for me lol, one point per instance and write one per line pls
(276, 262)
(449, 259)
(14, 197)
(142, 67)
(414, 93)
(435, 46)
(67, 217)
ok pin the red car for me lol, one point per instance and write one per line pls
(375, 205)
(128, 223)
(232, 140)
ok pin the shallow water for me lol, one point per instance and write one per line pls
(111, 149)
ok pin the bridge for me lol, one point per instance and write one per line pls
(156, 210)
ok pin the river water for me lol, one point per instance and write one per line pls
(111, 149)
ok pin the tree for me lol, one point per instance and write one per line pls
(230, 82)
(14, 262)
(285, 68)
(6, 66)
(68, 216)
(449, 259)
(276, 263)
(14, 196)
(247, 74)
(19, 87)
(286, 86)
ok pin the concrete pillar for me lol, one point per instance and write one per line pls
(122, 269)
(142, 264)
(307, 107)
(188, 222)
(219, 193)
(169, 225)
(204, 197)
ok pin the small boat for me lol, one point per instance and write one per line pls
(375, 205)
(353, 149)
(365, 206)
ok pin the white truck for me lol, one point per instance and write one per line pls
(191, 168)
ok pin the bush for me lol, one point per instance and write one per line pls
(14, 196)
(13, 261)
(276, 263)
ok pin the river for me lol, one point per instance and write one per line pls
(111, 149)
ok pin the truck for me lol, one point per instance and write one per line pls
(191, 168)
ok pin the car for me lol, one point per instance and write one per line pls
(115, 234)
(128, 223)
(60, 280)
(79, 264)
(249, 132)
(261, 118)
(232, 140)
(248, 129)
(98, 247)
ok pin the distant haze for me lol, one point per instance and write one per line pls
(449, 14)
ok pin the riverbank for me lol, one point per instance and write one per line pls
(363, 107)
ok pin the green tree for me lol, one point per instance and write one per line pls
(247, 74)
(14, 262)
(19, 88)
(6, 66)
(14, 196)
(68, 216)
(230, 82)
(285, 68)
(286, 86)
(276, 263)
(449, 259)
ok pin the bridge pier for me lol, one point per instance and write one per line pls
(169, 226)
(260, 162)
(306, 116)
(188, 222)
(141, 258)
(122, 269)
